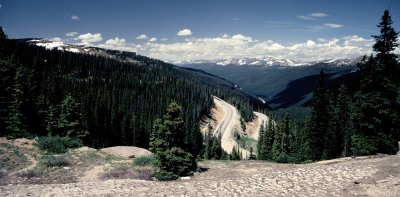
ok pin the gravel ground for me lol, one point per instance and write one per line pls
(367, 176)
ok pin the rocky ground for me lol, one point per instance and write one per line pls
(363, 176)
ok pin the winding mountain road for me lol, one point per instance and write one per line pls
(226, 128)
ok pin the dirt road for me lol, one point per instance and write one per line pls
(350, 177)
(226, 128)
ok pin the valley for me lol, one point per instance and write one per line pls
(281, 83)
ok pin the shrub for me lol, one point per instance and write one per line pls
(144, 161)
(3, 174)
(52, 161)
(173, 163)
(118, 173)
(27, 173)
(126, 172)
(57, 144)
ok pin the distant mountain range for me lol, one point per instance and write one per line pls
(269, 62)
(280, 82)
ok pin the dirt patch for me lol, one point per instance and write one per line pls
(253, 127)
(217, 115)
(126, 151)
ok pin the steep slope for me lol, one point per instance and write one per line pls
(115, 96)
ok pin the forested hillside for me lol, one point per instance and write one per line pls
(105, 101)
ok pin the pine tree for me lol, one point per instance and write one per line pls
(377, 109)
(261, 144)
(281, 141)
(68, 122)
(3, 40)
(344, 109)
(16, 121)
(319, 120)
(331, 143)
(172, 160)
(252, 155)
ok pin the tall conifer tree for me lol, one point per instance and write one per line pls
(377, 108)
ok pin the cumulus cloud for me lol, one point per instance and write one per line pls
(89, 38)
(152, 39)
(116, 41)
(244, 46)
(184, 32)
(117, 44)
(312, 16)
(142, 37)
(56, 39)
(71, 34)
(310, 43)
(333, 25)
(75, 17)
(241, 37)
(239, 45)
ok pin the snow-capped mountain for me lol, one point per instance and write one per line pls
(265, 61)
(270, 61)
(61, 46)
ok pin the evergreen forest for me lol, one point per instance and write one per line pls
(105, 101)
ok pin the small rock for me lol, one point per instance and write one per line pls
(67, 168)
(185, 178)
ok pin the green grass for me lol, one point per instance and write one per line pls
(56, 144)
(53, 161)
(11, 158)
(7, 146)
(245, 141)
(144, 161)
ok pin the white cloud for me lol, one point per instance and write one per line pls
(89, 38)
(241, 37)
(164, 39)
(184, 32)
(1, 6)
(142, 37)
(244, 46)
(305, 17)
(56, 39)
(318, 14)
(75, 17)
(239, 45)
(357, 41)
(116, 42)
(152, 39)
(71, 34)
(333, 25)
(313, 16)
(310, 43)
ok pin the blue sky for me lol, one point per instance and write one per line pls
(209, 29)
